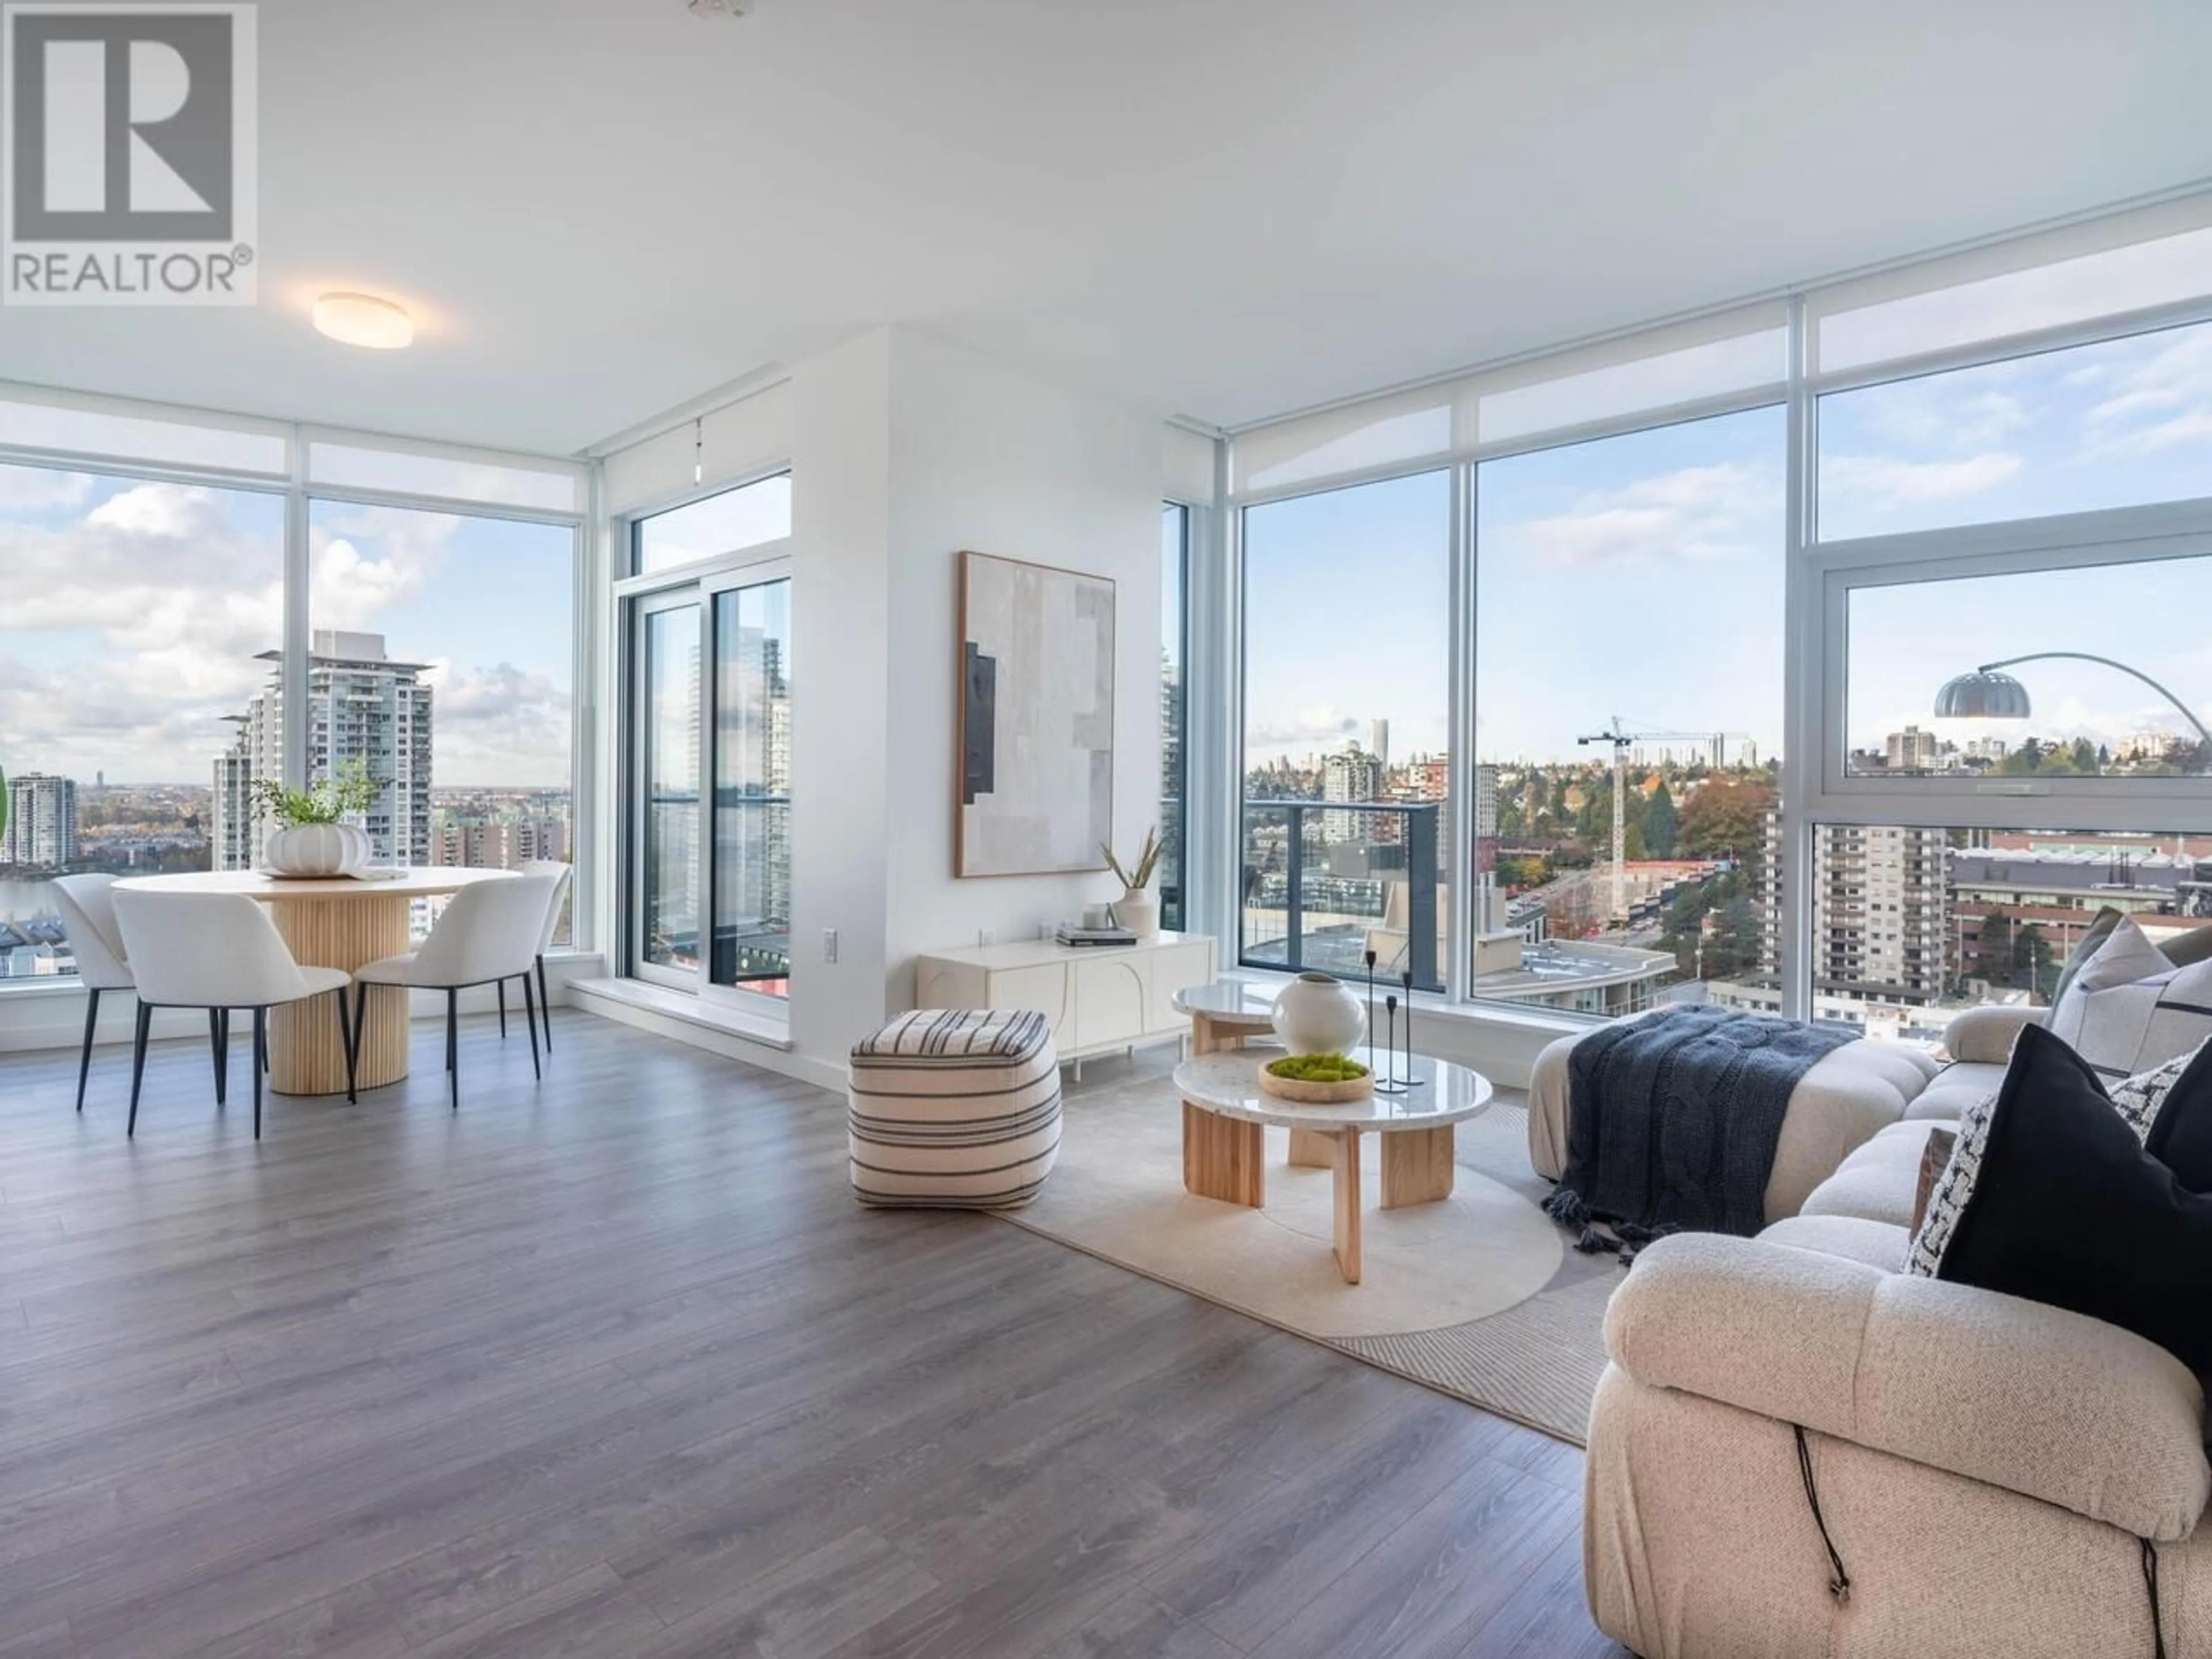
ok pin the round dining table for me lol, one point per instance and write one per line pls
(337, 921)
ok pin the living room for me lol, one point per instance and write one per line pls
(1250, 829)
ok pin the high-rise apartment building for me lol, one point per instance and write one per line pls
(1485, 803)
(1378, 743)
(362, 706)
(41, 831)
(1881, 910)
(1352, 774)
(1911, 750)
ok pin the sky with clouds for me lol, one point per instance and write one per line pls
(1641, 576)
(132, 613)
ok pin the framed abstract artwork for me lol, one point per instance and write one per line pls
(1036, 750)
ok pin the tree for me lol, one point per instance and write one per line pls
(1662, 824)
(2104, 757)
(1725, 818)
(1631, 842)
(2085, 755)
(2033, 962)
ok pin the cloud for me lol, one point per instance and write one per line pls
(1931, 415)
(1694, 515)
(1885, 482)
(32, 488)
(1310, 727)
(2161, 402)
(365, 559)
(129, 634)
(501, 724)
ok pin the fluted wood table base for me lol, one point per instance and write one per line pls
(305, 1054)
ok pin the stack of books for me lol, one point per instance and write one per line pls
(1073, 933)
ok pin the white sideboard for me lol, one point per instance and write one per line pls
(1099, 998)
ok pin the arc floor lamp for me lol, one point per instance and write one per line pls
(1987, 694)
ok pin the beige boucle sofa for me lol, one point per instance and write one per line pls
(1986, 1467)
(1846, 1099)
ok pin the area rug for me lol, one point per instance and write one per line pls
(1478, 1297)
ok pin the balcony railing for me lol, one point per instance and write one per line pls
(1326, 882)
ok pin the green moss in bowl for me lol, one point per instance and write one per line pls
(1317, 1068)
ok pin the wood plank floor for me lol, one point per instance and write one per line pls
(614, 1366)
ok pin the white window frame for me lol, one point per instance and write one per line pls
(2122, 536)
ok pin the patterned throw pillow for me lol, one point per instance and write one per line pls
(2138, 1100)
(2130, 1007)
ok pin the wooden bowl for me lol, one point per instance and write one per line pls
(1305, 1092)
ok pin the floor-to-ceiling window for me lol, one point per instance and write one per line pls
(1174, 554)
(1629, 712)
(711, 683)
(1347, 671)
(441, 660)
(135, 615)
(151, 626)
(1835, 655)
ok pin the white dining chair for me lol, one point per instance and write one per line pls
(564, 875)
(216, 951)
(88, 924)
(487, 935)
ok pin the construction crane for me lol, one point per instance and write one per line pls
(1622, 738)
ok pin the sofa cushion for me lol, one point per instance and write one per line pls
(2039, 1401)
(2050, 1196)
(1877, 1182)
(1876, 1243)
(1958, 1085)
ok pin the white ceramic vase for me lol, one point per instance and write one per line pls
(302, 850)
(1317, 1014)
(1139, 911)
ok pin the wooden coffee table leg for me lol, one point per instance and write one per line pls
(1417, 1166)
(1347, 1204)
(1222, 1157)
(1313, 1148)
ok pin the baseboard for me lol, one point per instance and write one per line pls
(684, 1019)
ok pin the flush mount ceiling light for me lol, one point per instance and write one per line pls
(362, 319)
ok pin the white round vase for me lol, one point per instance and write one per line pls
(1139, 911)
(302, 850)
(1317, 1014)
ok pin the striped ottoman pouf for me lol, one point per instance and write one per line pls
(956, 1107)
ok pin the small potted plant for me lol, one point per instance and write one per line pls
(309, 838)
(1138, 909)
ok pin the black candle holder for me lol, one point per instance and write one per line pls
(1387, 1082)
(1405, 1079)
(1370, 1002)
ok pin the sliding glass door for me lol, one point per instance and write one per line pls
(711, 782)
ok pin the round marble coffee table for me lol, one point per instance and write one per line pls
(1225, 1114)
(1224, 1013)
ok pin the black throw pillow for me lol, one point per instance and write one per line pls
(2181, 1134)
(2068, 1208)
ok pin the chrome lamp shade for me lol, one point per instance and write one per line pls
(1983, 696)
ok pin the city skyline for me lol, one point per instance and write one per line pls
(1642, 575)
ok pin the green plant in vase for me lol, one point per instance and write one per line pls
(311, 837)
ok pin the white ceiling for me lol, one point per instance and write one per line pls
(1226, 208)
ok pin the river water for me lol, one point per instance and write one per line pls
(25, 899)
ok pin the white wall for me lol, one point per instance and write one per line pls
(989, 459)
(842, 695)
(908, 450)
